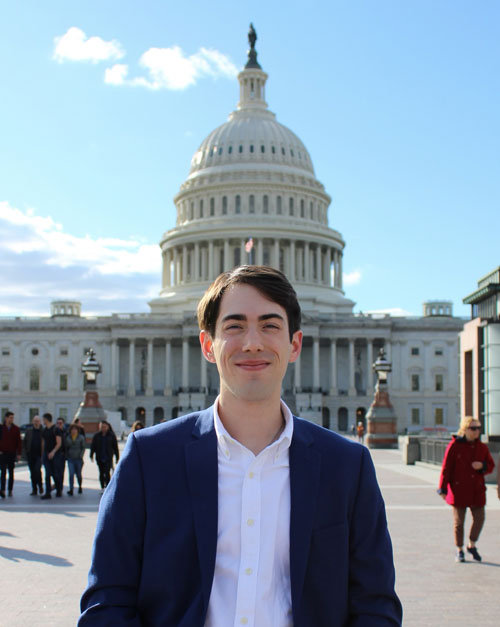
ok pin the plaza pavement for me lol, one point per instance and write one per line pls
(45, 551)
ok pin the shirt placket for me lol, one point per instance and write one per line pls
(251, 516)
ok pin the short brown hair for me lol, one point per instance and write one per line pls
(272, 283)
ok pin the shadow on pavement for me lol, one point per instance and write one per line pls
(16, 555)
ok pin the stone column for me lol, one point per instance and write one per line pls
(276, 254)
(211, 276)
(316, 381)
(131, 368)
(260, 251)
(184, 275)
(168, 368)
(352, 385)
(149, 369)
(333, 367)
(114, 366)
(318, 263)
(369, 367)
(243, 253)
(307, 265)
(196, 270)
(227, 263)
(297, 379)
(164, 274)
(292, 261)
(185, 363)
(341, 281)
(176, 266)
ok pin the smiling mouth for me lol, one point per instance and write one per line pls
(252, 365)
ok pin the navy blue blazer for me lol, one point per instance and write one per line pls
(154, 550)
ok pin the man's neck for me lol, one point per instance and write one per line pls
(255, 425)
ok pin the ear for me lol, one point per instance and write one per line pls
(206, 343)
(296, 346)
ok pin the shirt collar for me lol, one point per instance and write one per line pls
(225, 440)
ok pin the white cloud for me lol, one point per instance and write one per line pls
(351, 278)
(74, 45)
(395, 312)
(170, 68)
(40, 261)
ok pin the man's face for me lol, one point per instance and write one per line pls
(36, 422)
(104, 428)
(60, 423)
(9, 420)
(252, 346)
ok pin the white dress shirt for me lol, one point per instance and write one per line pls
(251, 583)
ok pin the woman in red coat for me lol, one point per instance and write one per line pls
(465, 463)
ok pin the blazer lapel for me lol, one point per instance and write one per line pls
(305, 465)
(201, 464)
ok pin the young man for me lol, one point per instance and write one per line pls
(10, 451)
(104, 445)
(52, 456)
(243, 514)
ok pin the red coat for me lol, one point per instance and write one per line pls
(464, 486)
(10, 441)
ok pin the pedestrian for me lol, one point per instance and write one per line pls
(75, 450)
(10, 451)
(63, 428)
(32, 444)
(242, 513)
(360, 430)
(78, 423)
(137, 426)
(52, 456)
(466, 461)
(104, 446)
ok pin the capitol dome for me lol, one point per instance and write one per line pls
(251, 196)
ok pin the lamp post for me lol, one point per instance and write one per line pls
(381, 419)
(90, 411)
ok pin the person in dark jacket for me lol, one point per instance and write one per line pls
(52, 456)
(10, 451)
(104, 446)
(33, 446)
(461, 484)
(74, 451)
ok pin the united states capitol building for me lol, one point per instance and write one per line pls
(251, 186)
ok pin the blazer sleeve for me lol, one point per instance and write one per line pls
(115, 571)
(372, 597)
(447, 468)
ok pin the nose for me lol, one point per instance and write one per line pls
(252, 341)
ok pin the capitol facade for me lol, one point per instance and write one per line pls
(251, 196)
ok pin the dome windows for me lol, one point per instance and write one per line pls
(273, 150)
(201, 208)
(212, 206)
(224, 205)
(240, 148)
(278, 205)
(220, 150)
(251, 204)
(251, 147)
(282, 151)
(237, 204)
(265, 204)
(302, 210)
(263, 148)
(291, 207)
(230, 150)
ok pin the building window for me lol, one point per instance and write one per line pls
(278, 204)
(263, 149)
(236, 256)
(438, 415)
(34, 411)
(251, 147)
(63, 382)
(282, 151)
(240, 149)
(237, 204)
(415, 415)
(34, 351)
(62, 412)
(439, 383)
(63, 351)
(191, 210)
(5, 351)
(415, 350)
(302, 210)
(212, 206)
(220, 150)
(273, 150)
(34, 379)
(438, 352)
(290, 206)
(251, 203)
(224, 205)
(291, 151)
(415, 382)
(265, 204)
(5, 382)
(230, 149)
(201, 208)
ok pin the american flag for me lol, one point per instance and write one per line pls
(249, 245)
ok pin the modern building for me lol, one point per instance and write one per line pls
(480, 357)
(251, 196)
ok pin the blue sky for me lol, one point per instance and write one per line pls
(102, 105)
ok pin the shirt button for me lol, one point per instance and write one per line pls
(250, 522)
(243, 620)
(248, 571)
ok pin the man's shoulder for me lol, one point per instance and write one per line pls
(196, 423)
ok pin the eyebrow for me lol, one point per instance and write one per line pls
(268, 316)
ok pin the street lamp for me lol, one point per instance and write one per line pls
(381, 419)
(90, 411)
